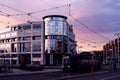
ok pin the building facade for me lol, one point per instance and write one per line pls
(24, 42)
(59, 38)
(43, 42)
(111, 52)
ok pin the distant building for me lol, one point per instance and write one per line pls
(96, 54)
(43, 42)
(111, 51)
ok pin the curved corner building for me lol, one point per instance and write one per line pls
(59, 38)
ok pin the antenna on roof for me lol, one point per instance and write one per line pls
(69, 6)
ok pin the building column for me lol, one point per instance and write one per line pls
(43, 55)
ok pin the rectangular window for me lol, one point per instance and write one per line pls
(36, 37)
(2, 35)
(14, 34)
(25, 27)
(36, 55)
(14, 55)
(27, 47)
(46, 37)
(13, 47)
(13, 28)
(14, 39)
(19, 38)
(36, 46)
(56, 29)
(36, 26)
(19, 27)
(56, 23)
(27, 38)
(7, 40)
(7, 35)
(2, 41)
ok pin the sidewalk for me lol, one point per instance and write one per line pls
(23, 72)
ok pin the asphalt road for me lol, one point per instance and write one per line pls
(39, 76)
(113, 75)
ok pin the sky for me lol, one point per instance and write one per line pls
(99, 18)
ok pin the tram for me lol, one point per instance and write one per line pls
(80, 62)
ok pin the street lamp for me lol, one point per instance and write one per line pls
(118, 35)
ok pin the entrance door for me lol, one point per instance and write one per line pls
(47, 59)
(24, 59)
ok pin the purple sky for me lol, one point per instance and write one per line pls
(102, 16)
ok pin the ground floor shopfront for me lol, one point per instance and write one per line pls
(53, 59)
(26, 59)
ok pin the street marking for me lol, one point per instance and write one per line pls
(110, 77)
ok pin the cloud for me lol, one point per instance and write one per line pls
(102, 16)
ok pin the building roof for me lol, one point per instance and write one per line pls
(54, 16)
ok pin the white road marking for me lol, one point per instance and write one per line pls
(110, 77)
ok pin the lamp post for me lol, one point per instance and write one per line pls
(118, 35)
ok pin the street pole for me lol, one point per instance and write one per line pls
(118, 35)
(92, 65)
(110, 59)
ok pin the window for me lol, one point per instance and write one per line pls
(2, 35)
(36, 26)
(19, 38)
(25, 27)
(2, 41)
(7, 35)
(19, 27)
(7, 40)
(13, 47)
(56, 23)
(13, 28)
(14, 55)
(70, 29)
(46, 37)
(36, 46)
(27, 38)
(7, 55)
(7, 47)
(14, 39)
(56, 30)
(13, 34)
(36, 37)
(27, 47)
(36, 55)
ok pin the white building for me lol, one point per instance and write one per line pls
(23, 40)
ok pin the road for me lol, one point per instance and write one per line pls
(114, 75)
(39, 76)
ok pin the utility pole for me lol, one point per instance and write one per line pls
(118, 35)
